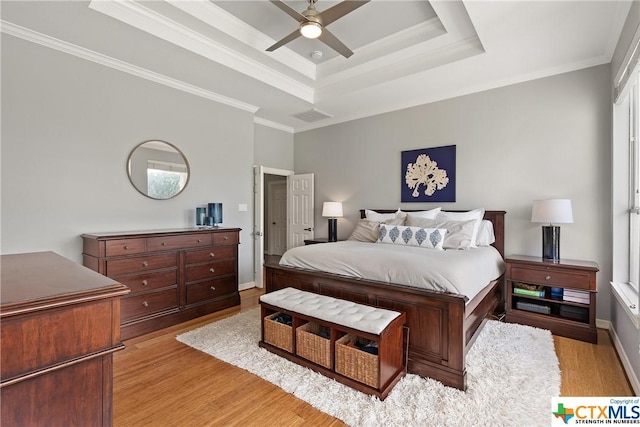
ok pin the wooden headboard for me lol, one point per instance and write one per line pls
(496, 217)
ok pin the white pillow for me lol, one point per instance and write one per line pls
(485, 236)
(430, 214)
(431, 238)
(366, 231)
(375, 216)
(476, 214)
(459, 233)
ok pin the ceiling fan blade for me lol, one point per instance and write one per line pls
(289, 10)
(294, 35)
(332, 41)
(338, 11)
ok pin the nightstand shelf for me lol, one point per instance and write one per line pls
(573, 319)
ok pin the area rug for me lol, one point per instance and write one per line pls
(512, 373)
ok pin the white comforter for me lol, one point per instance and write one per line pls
(464, 272)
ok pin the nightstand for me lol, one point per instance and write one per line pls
(559, 296)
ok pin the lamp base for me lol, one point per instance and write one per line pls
(333, 230)
(551, 243)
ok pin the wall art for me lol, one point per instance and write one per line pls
(429, 175)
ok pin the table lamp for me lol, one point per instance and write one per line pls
(551, 211)
(332, 210)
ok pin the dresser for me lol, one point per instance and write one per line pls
(60, 328)
(174, 275)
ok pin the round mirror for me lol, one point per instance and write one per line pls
(158, 169)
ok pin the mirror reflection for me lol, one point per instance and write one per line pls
(158, 169)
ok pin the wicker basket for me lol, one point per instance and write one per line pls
(311, 346)
(278, 334)
(355, 363)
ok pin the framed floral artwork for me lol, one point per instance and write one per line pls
(429, 175)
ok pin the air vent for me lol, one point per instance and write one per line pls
(312, 115)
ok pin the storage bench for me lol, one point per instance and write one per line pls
(356, 344)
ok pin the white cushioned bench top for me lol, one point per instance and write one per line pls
(346, 313)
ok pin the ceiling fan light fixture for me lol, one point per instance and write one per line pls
(310, 29)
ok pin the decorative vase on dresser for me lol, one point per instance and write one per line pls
(60, 328)
(174, 275)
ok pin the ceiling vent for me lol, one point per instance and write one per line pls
(312, 115)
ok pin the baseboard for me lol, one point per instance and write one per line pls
(603, 324)
(626, 364)
(247, 285)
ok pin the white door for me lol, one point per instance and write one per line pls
(277, 227)
(300, 208)
(258, 218)
(258, 224)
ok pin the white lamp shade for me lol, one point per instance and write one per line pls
(552, 211)
(332, 209)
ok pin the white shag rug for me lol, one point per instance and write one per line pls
(512, 373)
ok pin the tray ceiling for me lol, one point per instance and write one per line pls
(406, 53)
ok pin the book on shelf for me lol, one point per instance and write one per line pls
(572, 295)
(538, 292)
(582, 300)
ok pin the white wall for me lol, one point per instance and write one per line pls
(541, 139)
(68, 126)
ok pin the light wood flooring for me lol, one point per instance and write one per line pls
(159, 381)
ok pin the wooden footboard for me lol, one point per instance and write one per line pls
(441, 326)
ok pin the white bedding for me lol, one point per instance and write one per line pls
(464, 272)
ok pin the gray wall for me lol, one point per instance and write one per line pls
(68, 126)
(273, 148)
(541, 139)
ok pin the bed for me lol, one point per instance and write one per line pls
(442, 325)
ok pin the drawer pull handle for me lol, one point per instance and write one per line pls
(144, 303)
(164, 243)
(213, 270)
(226, 237)
(547, 278)
(126, 247)
(145, 264)
(212, 255)
(213, 288)
(145, 283)
(199, 240)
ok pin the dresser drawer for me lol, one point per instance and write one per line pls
(551, 277)
(225, 238)
(141, 264)
(166, 243)
(210, 289)
(210, 254)
(142, 305)
(124, 247)
(211, 270)
(146, 282)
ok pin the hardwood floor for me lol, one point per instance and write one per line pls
(159, 381)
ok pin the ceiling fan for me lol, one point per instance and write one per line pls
(313, 23)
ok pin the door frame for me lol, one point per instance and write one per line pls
(258, 240)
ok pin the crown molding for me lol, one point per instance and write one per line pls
(98, 58)
(216, 17)
(164, 28)
(274, 125)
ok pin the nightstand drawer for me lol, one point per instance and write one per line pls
(550, 277)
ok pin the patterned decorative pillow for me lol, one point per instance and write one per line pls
(431, 238)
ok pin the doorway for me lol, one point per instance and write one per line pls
(275, 231)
